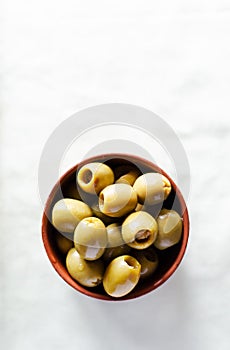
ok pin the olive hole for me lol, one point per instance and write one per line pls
(102, 198)
(142, 236)
(129, 261)
(87, 176)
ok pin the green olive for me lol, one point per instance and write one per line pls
(170, 229)
(64, 244)
(148, 259)
(93, 177)
(139, 230)
(105, 218)
(114, 235)
(90, 238)
(87, 273)
(117, 200)
(115, 246)
(152, 188)
(128, 178)
(67, 213)
(114, 252)
(121, 276)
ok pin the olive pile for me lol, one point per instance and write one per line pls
(115, 239)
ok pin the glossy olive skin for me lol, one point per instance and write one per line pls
(128, 178)
(148, 259)
(64, 244)
(139, 230)
(107, 220)
(116, 245)
(114, 235)
(90, 238)
(170, 229)
(93, 177)
(121, 276)
(67, 213)
(117, 200)
(87, 273)
(152, 188)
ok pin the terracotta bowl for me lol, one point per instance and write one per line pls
(169, 259)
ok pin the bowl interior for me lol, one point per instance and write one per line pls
(169, 258)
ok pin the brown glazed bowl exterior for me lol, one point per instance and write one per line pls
(169, 259)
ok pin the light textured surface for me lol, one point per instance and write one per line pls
(169, 56)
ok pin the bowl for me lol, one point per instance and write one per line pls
(169, 259)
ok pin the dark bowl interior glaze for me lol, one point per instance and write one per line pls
(169, 259)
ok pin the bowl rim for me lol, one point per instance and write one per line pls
(63, 273)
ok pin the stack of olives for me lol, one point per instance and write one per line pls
(114, 240)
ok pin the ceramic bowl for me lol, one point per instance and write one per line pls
(169, 259)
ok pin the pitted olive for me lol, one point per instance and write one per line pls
(139, 230)
(93, 177)
(64, 243)
(152, 188)
(87, 273)
(129, 178)
(170, 229)
(148, 259)
(67, 213)
(121, 276)
(90, 238)
(117, 200)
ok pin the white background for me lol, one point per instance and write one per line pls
(172, 57)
